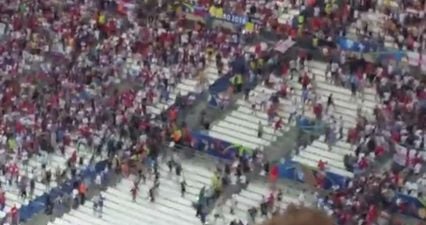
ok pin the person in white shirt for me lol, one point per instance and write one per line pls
(98, 180)
(75, 197)
(293, 112)
(341, 125)
(301, 198)
(233, 204)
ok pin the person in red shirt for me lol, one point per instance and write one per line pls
(283, 90)
(271, 200)
(273, 174)
(379, 151)
(363, 163)
(305, 80)
(2, 200)
(172, 114)
(371, 215)
(322, 165)
(278, 124)
(320, 179)
(318, 110)
(73, 158)
(14, 214)
(396, 136)
(82, 190)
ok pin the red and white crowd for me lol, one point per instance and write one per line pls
(82, 71)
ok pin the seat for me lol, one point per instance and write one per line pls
(261, 89)
(258, 188)
(93, 220)
(250, 132)
(165, 192)
(325, 154)
(253, 196)
(246, 108)
(337, 148)
(108, 217)
(161, 205)
(153, 110)
(202, 174)
(123, 201)
(60, 221)
(345, 94)
(316, 158)
(191, 192)
(318, 65)
(243, 137)
(314, 165)
(190, 82)
(185, 88)
(233, 140)
(243, 119)
(74, 220)
(111, 205)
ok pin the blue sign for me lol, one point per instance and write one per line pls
(293, 171)
(355, 46)
(235, 19)
(203, 142)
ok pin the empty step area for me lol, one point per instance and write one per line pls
(345, 107)
(169, 206)
(246, 126)
(251, 197)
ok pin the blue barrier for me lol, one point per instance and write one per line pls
(220, 85)
(356, 46)
(38, 204)
(380, 52)
(292, 170)
(414, 206)
(214, 101)
(212, 146)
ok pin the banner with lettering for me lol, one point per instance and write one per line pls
(283, 46)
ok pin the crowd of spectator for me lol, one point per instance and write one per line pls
(93, 72)
(89, 73)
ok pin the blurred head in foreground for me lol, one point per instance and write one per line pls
(300, 216)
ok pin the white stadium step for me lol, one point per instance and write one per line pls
(315, 157)
(345, 106)
(247, 198)
(238, 127)
(241, 125)
(169, 207)
(314, 165)
(185, 87)
(233, 140)
(53, 161)
(252, 139)
(323, 154)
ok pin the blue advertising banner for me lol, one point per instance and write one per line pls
(241, 20)
(38, 205)
(219, 13)
(203, 142)
(413, 206)
(379, 52)
(214, 101)
(355, 46)
(295, 171)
